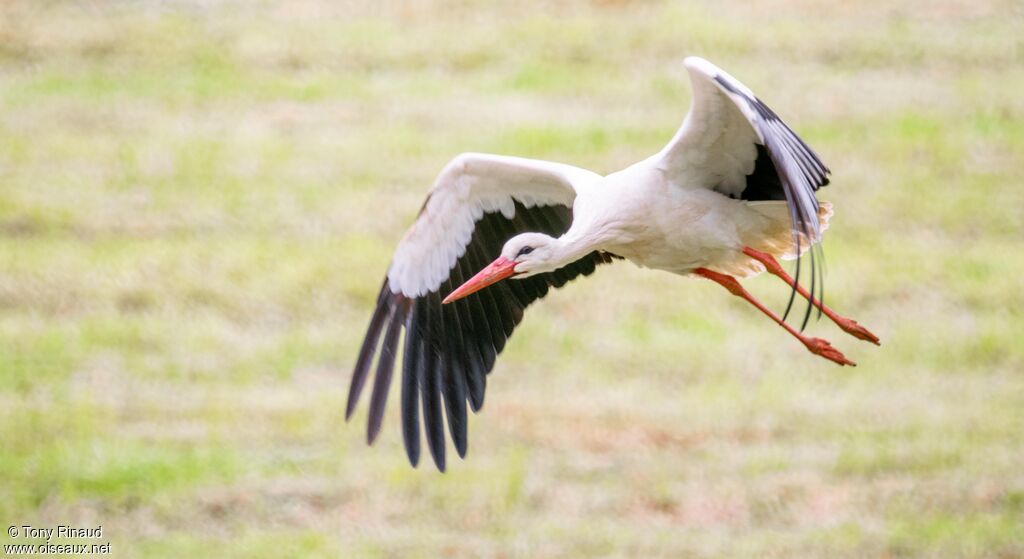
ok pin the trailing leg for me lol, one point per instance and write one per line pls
(816, 346)
(848, 325)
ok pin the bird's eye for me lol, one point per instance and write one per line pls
(524, 250)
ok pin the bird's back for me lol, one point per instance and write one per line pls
(656, 223)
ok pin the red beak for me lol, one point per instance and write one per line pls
(493, 273)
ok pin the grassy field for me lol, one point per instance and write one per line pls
(198, 201)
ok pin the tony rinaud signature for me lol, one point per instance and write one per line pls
(61, 532)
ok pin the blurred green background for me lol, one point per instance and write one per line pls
(198, 201)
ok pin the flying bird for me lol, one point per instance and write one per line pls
(732, 191)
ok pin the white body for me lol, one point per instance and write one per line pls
(641, 214)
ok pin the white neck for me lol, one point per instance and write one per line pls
(575, 245)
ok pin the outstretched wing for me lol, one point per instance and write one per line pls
(734, 144)
(477, 203)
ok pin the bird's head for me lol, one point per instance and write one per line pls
(522, 256)
(532, 253)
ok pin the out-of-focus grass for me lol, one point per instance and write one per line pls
(198, 201)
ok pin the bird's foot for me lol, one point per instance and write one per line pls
(821, 347)
(851, 327)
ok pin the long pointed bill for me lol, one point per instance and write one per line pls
(494, 272)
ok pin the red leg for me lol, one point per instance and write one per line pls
(816, 346)
(848, 325)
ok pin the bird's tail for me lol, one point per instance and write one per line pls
(777, 238)
(772, 234)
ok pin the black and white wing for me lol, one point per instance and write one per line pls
(734, 144)
(477, 203)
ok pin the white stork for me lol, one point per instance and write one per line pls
(732, 190)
